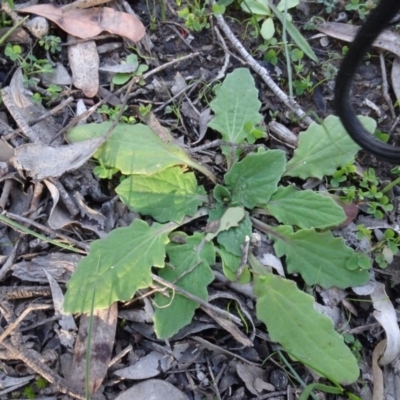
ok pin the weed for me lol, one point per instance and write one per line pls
(112, 113)
(386, 247)
(137, 70)
(329, 4)
(160, 187)
(362, 8)
(366, 192)
(30, 65)
(262, 12)
(196, 15)
(51, 43)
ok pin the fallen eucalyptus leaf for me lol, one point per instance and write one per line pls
(89, 23)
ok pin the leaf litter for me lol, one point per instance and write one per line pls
(61, 168)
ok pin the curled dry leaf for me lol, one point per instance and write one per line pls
(396, 77)
(103, 329)
(385, 314)
(41, 161)
(89, 23)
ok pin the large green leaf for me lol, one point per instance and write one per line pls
(305, 334)
(319, 257)
(117, 266)
(167, 196)
(190, 270)
(235, 105)
(253, 180)
(324, 148)
(305, 208)
(134, 149)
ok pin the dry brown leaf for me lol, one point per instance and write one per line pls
(387, 40)
(89, 23)
(152, 389)
(379, 387)
(83, 4)
(149, 366)
(386, 315)
(42, 162)
(104, 326)
(396, 77)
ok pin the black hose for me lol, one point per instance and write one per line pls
(378, 19)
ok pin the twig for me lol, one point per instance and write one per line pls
(385, 86)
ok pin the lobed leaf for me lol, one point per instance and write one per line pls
(253, 180)
(305, 208)
(190, 270)
(304, 333)
(117, 266)
(235, 105)
(166, 196)
(324, 148)
(133, 149)
(319, 257)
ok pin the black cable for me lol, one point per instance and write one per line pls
(378, 19)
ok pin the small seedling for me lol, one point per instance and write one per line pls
(386, 247)
(112, 113)
(263, 13)
(139, 69)
(196, 16)
(51, 43)
(30, 65)
(362, 8)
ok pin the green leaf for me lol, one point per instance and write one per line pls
(287, 3)
(133, 59)
(166, 196)
(305, 334)
(305, 208)
(134, 149)
(120, 79)
(257, 7)
(322, 388)
(234, 238)
(230, 266)
(324, 148)
(295, 34)
(221, 194)
(267, 29)
(230, 219)
(235, 105)
(190, 271)
(319, 257)
(117, 266)
(253, 180)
